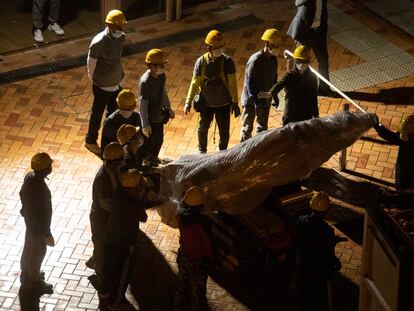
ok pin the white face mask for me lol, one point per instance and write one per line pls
(274, 52)
(125, 113)
(117, 34)
(217, 52)
(302, 67)
(159, 71)
(141, 142)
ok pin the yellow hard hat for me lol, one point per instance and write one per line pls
(406, 127)
(215, 39)
(194, 196)
(126, 132)
(320, 202)
(115, 17)
(302, 53)
(41, 161)
(272, 35)
(126, 100)
(131, 178)
(113, 151)
(155, 56)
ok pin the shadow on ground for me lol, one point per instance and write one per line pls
(394, 96)
(261, 289)
(153, 281)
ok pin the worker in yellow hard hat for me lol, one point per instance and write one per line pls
(404, 138)
(106, 74)
(301, 87)
(125, 114)
(316, 261)
(213, 90)
(132, 140)
(121, 237)
(195, 253)
(260, 75)
(37, 213)
(155, 106)
(106, 181)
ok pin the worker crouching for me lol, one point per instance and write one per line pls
(195, 252)
(132, 140)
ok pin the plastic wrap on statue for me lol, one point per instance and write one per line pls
(239, 179)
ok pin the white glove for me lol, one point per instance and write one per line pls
(147, 131)
(187, 108)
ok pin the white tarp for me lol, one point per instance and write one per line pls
(239, 179)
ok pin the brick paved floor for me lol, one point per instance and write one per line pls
(50, 113)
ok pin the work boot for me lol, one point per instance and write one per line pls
(38, 36)
(39, 285)
(94, 148)
(95, 281)
(202, 141)
(55, 27)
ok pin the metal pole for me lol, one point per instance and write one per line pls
(178, 9)
(169, 10)
(342, 155)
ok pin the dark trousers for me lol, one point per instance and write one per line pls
(192, 284)
(250, 112)
(34, 252)
(155, 141)
(222, 115)
(312, 294)
(102, 99)
(38, 11)
(319, 45)
(116, 276)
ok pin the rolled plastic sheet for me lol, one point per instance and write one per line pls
(238, 179)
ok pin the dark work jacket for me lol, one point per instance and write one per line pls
(301, 100)
(300, 28)
(36, 204)
(127, 212)
(315, 242)
(102, 188)
(260, 75)
(113, 123)
(404, 167)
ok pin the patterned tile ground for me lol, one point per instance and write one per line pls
(50, 113)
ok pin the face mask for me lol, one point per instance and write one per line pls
(159, 71)
(302, 67)
(274, 52)
(217, 53)
(125, 113)
(117, 34)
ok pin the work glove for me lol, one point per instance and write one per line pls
(147, 131)
(187, 108)
(50, 241)
(235, 109)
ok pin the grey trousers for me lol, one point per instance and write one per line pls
(38, 11)
(249, 113)
(34, 252)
